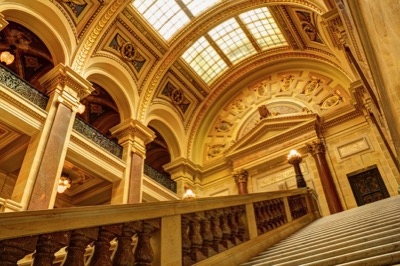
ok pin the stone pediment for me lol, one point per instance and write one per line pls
(274, 131)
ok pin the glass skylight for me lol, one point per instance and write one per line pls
(198, 6)
(232, 40)
(167, 16)
(263, 27)
(204, 60)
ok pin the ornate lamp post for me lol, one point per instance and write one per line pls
(294, 158)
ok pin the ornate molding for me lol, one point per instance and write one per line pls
(87, 45)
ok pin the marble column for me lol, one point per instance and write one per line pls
(241, 178)
(132, 136)
(317, 149)
(36, 186)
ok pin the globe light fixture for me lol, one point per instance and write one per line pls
(63, 183)
(294, 158)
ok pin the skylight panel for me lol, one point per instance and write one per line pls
(204, 60)
(232, 40)
(166, 16)
(263, 27)
(198, 6)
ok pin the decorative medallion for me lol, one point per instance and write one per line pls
(238, 106)
(308, 26)
(285, 83)
(76, 6)
(177, 96)
(128, 51)
(215, 150)
(331, 101)
(262, 88)
(311, 86)
(223, 126)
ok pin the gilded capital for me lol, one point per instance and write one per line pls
(135, 133)
(241, 176)
(315, 147)
(70, 86)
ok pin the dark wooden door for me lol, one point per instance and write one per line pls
(367, 185)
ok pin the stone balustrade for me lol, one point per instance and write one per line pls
(182, 232)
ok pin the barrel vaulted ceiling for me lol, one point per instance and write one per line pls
(202, 68)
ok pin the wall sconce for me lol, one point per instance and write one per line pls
(294, 158)
(7, 56)
(189, 194)
(64, 183)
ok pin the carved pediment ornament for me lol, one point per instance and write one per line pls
(331, 101)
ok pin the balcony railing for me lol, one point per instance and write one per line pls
(23, 88)
(160, 178)
(205, 231)
(97, 137)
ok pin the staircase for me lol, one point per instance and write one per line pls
(368, 235)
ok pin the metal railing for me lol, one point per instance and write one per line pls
(97, 137)
(23, 88)
(160, 178)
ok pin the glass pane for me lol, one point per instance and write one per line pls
(203, 58)
(263, 27)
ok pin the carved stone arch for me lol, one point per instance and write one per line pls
(55, 30)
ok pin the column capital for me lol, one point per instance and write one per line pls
(241, 176)
(182, 167)
(3, 22)
(132, 131)
(70, 86)
(316, 146)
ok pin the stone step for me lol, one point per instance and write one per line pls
(367, 235)
(294, 241)
(336, 256)
(334, 243)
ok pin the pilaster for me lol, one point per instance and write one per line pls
(132, 136)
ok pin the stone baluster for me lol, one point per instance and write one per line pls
(233, 226)
(12, 250)
(276, 214)
(47, 245)
(268, 217)
(216, 230)
(101, 255)
(207, 236)
(80, 239)
(144, 254)
(242, 228)
(124, 255)
(186, 244)
(196, 239)
(281, 208)
(259, 218)
(226, 230)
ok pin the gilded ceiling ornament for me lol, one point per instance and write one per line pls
(215, 150)
(176, 96)
(263, 111)
(239, 106)
(312, 85)
(76, 6)
(262, 88)
(285, 83)
(128, 51)
(331, 101)
(223, 126)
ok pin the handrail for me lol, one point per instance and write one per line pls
(198, 228)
